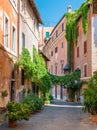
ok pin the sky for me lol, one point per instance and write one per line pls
(51, 11)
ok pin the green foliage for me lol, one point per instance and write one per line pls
(33, 102)
(24, 91)
(45, 84)
(26, 64)
(17, 111)
(90, 96)
(39, 66)
(70, 80)
(4, 93)
(40, 77)
(35, 70)
(71, 26)
(48, 97)
(84, 18)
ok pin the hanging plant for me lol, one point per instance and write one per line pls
(4, 93)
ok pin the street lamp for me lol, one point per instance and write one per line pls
(66, 69)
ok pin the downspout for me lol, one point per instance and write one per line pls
(18, 29)
(18, 43)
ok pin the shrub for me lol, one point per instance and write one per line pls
(90, 96)
(17, 111)
(34, 102)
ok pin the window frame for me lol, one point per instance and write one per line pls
(85, 70)
(56, 49)
(23, 40)
(51, 53)
(85, 47)
(77, 52)
(62, 44)
(56, 70)
(15, 46)
(62, 27)
(8, 35)
(56, 33)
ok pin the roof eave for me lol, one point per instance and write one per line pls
(35, 10)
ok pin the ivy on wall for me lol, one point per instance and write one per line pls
(69, 80)
(72, 28)
(35, 70)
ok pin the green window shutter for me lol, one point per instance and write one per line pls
(47, 34)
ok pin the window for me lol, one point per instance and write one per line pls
(23, 40)
(56, 70)
(51, 69)
(51, 53)
(47, 34)
(85, 70)
(56, 49)
(77, 51)
(23, 6)
(52, 38)
(6, 31)
(62, 27)
(56, 33)
(85, 47)
(22, 77)
(62, 66)
(62, 45)
(13, 38)
(14, 3)
(34, 25)
(78, 30)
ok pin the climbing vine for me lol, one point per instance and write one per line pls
(35, 70)
(68, 80)
(71, 26)
(25, 63)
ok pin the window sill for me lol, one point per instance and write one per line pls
(10, 51)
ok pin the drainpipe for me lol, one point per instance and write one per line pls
(18, 42)
(18, 29)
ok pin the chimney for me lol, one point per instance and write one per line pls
(69, 8)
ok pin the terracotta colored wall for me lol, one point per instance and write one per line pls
(6, 55)
(83, 59)
(61, 55)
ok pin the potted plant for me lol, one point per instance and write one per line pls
(33, 102)
(90, 97)
(17, 111)
(4, 93)
(47, 98)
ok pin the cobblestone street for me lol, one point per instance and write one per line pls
(57, 116)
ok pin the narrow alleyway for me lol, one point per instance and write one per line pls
(57, 116)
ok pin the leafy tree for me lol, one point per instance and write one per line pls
(39, 66)
(26, 64)
(35, 70)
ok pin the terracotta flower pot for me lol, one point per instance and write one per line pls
(94, 118)
(47, 102)
(12, 124)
